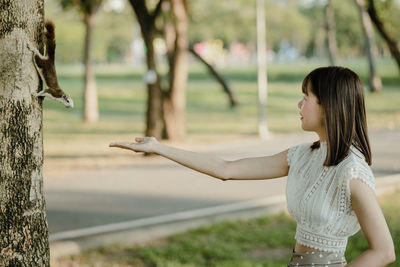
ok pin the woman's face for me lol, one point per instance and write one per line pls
(311, 114)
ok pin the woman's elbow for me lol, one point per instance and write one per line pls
(387, 256)
(390, 256)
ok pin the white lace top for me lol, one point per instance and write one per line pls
(318, 197)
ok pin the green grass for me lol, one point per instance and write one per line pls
(122, 97)
(122, 100)
(264, 241)
(122, 103)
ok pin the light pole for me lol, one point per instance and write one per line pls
(262, 70)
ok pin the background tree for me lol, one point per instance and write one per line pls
(23, 231)
(380, 26)
(330, 29)
(112, 35)
(88, 9)
(375, 83)
(348, 33)
(154, 113)
(176, 22)
(165, 105)
(233, 21)
(316, 43)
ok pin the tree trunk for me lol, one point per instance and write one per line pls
(90, 105)
(165, 108)
(174, 100)
(154, 116)
(375, 83)
(391, 43)
(330, 33)
(23, 231)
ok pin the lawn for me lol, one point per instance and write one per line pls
(122, 98)
(265, 241)
(70, 144)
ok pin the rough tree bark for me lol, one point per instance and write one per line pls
(23, 231)
(330, 29)
(375, 83)
(391, 43)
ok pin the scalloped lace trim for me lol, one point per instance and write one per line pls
(321, 243)
(370, 182)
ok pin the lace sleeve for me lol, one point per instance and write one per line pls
(295, 152)
(363, 173)
(290, 154)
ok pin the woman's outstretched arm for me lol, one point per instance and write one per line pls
(257, 168)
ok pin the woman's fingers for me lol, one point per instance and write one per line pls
(137, 147)
(121, 145)
(143, 144)
(139, 139)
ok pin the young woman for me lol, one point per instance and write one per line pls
(330, 187)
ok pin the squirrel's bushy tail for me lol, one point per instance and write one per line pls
(50, 38)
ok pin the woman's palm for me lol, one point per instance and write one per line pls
(144, 144)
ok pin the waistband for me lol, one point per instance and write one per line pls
(331, 259)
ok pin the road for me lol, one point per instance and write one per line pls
(156, 186)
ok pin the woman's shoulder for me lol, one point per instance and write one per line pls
(354, 166)
(298, 150)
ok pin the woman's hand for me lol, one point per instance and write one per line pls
(144, 144)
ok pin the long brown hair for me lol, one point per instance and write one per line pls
(341, 94)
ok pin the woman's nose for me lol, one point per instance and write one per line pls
(300, 104)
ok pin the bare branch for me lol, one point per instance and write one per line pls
(220, 79)
(394, 50)
(157, 10)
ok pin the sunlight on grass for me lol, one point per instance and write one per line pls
(122, 103)
(265, 241)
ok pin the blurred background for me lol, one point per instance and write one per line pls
(116, 74)
(222, 77)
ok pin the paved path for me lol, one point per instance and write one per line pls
(156, 186)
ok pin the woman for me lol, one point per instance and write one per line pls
(330, 187)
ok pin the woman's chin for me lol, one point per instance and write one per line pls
(305, 128)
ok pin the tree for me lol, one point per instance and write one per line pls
(174, 96)
(23, 231)
(165, 105)
(88, 9)
(380, 26)
(330, 32)
(346, 24)
(154, 114)
(375, 83)
(233, 21)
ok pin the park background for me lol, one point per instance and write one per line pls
(224, 34)
(226, 38)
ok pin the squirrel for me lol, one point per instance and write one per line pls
(47, 71)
